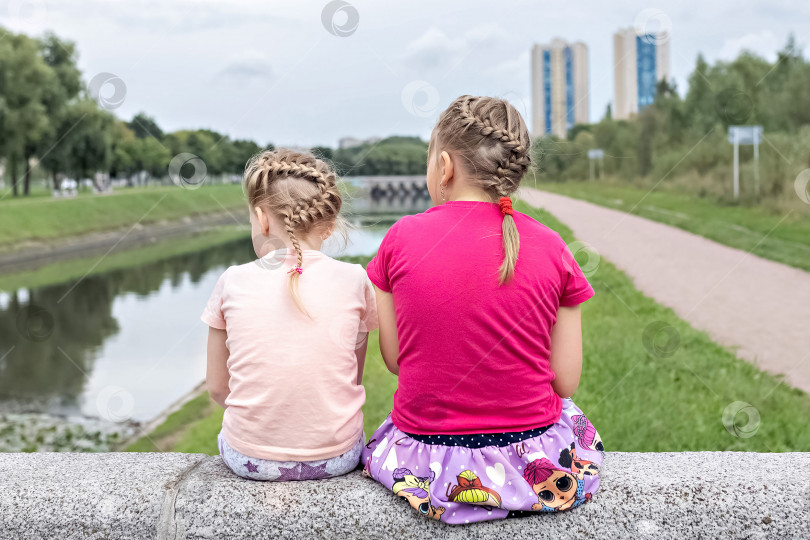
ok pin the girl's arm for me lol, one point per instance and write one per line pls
(566, 351)
(216, 376)
(389, 341)
(360, 352)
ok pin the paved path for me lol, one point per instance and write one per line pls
(758, 306)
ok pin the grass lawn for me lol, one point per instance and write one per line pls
(641, 391)
(784, 239)
(47, 218)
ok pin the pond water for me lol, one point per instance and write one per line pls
(118, 348)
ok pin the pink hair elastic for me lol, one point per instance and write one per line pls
(296, 269)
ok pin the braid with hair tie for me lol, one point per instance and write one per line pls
(299, 189)
(493, 144)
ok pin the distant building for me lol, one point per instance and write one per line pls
(351, 142)
(559, 87)
(639, 62)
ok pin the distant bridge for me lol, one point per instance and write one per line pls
(392, 186)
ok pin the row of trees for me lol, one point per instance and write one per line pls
(688, 137)
(390, 156)
(50, 121)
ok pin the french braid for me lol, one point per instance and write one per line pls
(299, 189)
(492, 140)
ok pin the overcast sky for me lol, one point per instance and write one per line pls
(273, 72)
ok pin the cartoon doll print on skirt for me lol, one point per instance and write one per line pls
(468, 478)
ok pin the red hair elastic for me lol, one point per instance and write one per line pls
(296, 269)
(505, 203)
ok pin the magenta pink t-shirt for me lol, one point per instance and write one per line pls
(473, 355)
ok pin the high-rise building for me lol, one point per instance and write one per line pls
(559, 87)
(640, 60)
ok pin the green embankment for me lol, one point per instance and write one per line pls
(47, 218)
(61, 272)
(639, 400)
(780, 236)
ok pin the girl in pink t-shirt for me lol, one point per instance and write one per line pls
(479, 316)
(288, 332)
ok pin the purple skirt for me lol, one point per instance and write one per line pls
(555, 471)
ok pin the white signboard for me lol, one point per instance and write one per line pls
(596, 154)
(745, 134)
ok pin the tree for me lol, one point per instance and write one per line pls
(124, 151)
(669, 104)
(649, 124)
(61, 57)
(26, 82)
(152, 157)
(699, 102)
(90, 140)
(145, 126)
(322, 152)
(393, 155)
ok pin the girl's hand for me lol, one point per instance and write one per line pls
(217, 376)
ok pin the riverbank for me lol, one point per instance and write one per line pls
(45, 221)
(188, 240)
(37, 254)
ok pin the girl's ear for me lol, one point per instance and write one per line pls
(327, 232)
(447, 169)
(264, 221)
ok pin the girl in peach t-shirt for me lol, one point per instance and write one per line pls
(287, 339)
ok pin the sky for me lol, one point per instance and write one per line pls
(308, 73)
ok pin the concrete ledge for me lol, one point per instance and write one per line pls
(177, 496)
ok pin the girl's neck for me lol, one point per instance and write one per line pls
(310, 243)
(470, 194)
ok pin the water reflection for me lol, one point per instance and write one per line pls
(65, 344)
(391, 205)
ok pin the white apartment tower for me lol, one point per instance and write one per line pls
(559, 74)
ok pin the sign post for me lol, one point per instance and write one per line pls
(594, 155)
(748, 135)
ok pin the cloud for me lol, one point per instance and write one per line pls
(246, 67)
(434, 49)
(764, 43)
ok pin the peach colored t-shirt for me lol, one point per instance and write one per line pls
(293, 380)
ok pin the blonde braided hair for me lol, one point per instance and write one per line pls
(492, 141)
(299, 189)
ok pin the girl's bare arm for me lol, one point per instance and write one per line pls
(566, 351)
(389, 340)
(216, 376)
